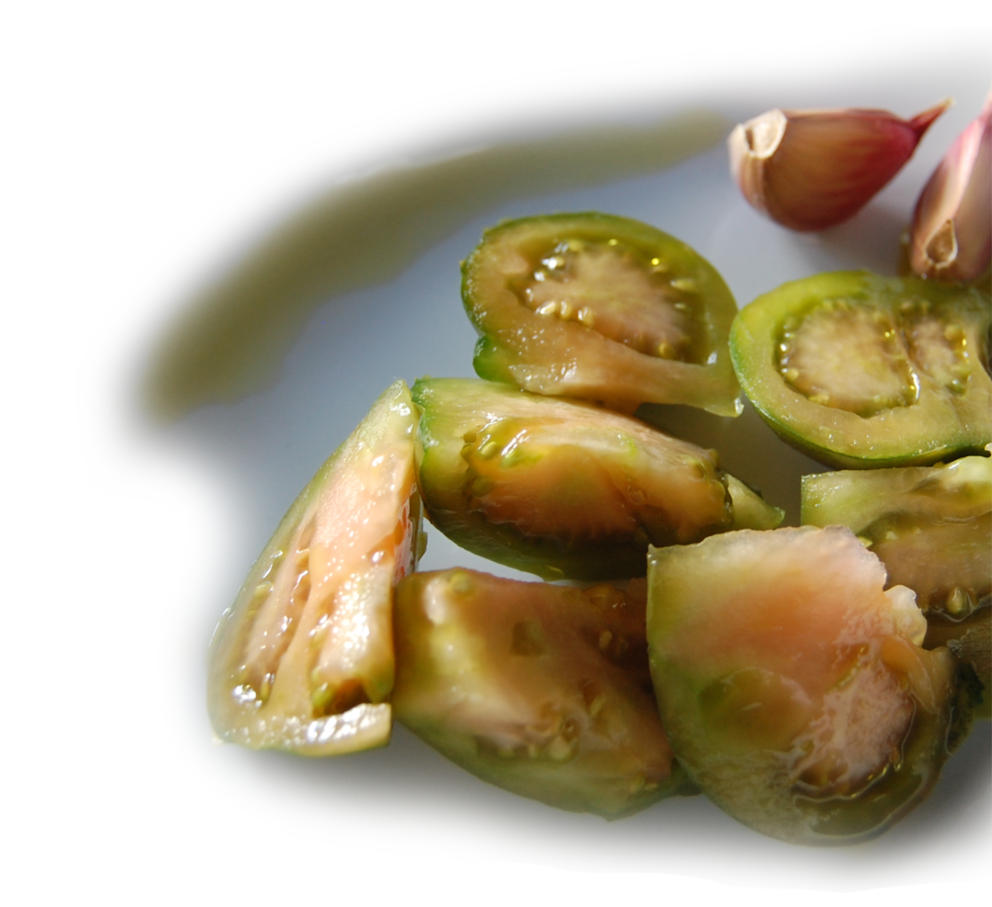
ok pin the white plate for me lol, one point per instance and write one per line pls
(145, 141)
(367, 279)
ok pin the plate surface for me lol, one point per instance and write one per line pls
(268, 369)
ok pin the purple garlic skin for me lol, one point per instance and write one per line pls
(950, 237)
(812, 169)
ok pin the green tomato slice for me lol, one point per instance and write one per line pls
(541, 689)
(793, 687)
(860, 370)
(562, 488)
(930, 525)
(601, 308)
(303, 659)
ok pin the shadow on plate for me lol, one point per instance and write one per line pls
(230, 338)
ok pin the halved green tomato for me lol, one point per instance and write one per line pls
(540, 689)
(861, 370)
(303, 660)
(792, 685)
(561, 488)
(601, 308)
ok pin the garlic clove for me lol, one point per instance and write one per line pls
(951, 232)
(811, 169)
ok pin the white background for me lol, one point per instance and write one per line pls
(144, 144)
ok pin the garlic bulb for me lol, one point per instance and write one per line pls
(811, 169)
(951, 231)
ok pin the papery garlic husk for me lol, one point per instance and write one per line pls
(951, 233)
(812, 169)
